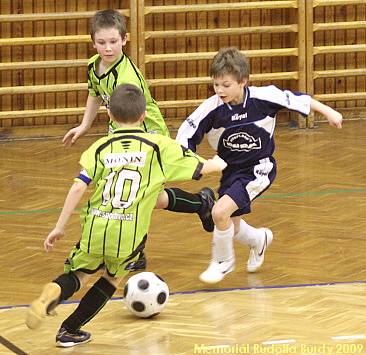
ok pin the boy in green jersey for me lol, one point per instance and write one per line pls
(127, 169)
(112, 67)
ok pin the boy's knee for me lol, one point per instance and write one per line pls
(69, 284)
(162, 201)
(219, 214)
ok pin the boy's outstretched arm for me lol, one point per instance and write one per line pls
(334, 117)
(72, 200)
(213, 165)
(91, 109)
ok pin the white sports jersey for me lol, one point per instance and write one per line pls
(241, 134)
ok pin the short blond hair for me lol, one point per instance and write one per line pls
(230, 61)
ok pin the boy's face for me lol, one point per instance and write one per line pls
(229, 89)
(108, 43)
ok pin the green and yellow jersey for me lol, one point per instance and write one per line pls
(124, 71)
(128, 168)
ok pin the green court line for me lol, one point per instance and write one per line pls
(272, 197)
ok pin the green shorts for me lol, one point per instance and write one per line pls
(78, 260)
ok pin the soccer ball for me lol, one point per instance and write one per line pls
(145, 294)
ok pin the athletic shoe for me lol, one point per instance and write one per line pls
(65, 339)
(139, 264)
(208, 200)
(217, 270)
(43, 305)
(256, 254)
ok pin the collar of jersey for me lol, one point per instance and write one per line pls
(129, 130)
(246, 96)
(109, 69)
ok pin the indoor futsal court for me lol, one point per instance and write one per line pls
(309, 295)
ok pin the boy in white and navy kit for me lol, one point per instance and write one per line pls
(239, 122)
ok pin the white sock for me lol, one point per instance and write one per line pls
(222, 244)
(247, 234)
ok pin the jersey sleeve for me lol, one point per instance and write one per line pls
(91, 165)
(92, 90)
(291, 100)
(180, 163)
(193, 129)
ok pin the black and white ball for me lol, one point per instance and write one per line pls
(145, 294)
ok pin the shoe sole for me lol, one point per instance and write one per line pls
(71, 344)
(269, 236)
(208, 226)
(38, 309)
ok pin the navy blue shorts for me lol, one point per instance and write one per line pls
(244, 185)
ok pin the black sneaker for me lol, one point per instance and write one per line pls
(65, 339)
(208, 200)
(139, 264)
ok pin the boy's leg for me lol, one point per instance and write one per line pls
(178, 200)
(223, 256)
(258, 239)
(60, 289)
(93, 301)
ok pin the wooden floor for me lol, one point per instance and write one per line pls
(309, 297)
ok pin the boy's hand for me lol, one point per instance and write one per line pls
(54, 235)
(220, 162)
(72, 135)
(335, 119)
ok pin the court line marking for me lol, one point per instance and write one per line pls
(269, 287)
(11, 346)
(266, 197)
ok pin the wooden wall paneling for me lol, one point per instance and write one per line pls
(273, 64)
(39, 50)
(329, 58)
(170, 67)
(158, 68)
(28, 56)
(311, 62)
(199, 15)
(350, 58)
(5, 52)
(340, 14)
(17, 54)
(133, 29)
(61, 53)
(71, 52)
(301, 59)
(339, 45)
(181, 68)
(50, 54)
(82, 51)
(255, 63)
(361, 57)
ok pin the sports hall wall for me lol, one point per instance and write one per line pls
(316, 46)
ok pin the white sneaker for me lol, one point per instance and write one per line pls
(216, 271)
(256, 254)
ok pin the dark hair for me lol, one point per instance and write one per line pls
(127, 103)
(108, 19)
(230, 61)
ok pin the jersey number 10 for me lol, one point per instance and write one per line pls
(125, 179)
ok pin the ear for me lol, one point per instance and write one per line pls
(142, 117)
(124, 40)
(245, 82)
